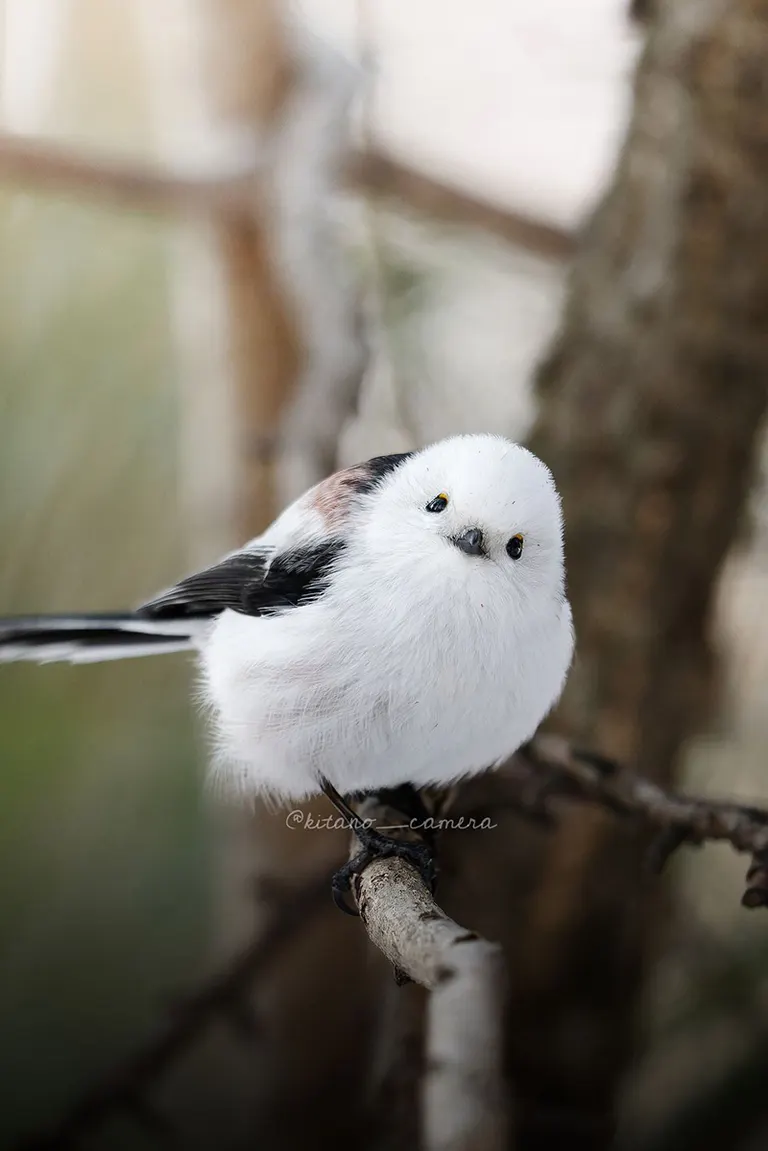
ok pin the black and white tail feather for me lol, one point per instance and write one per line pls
(88, 638)
(287, 566)
(175, 620)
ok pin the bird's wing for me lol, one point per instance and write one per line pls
(251, 582)
(289, 565)
(208, 592)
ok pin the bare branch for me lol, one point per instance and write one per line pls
(555, 769)
(464, 1104)
(463, 1086)
(381, 176)
(463, 1094)
(51, 167)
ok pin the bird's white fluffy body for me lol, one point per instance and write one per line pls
(365, 638)
(418, 663)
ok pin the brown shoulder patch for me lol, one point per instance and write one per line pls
(332, 498)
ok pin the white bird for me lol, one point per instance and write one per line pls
(404, 622)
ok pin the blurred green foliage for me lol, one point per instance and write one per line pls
(103, 833)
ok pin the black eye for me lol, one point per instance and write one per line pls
(438, 504)
(515, 547)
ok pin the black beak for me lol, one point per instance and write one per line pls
(471, 542)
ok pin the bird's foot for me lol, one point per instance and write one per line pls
(374, 845)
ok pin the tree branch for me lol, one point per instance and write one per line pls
(376, 174)
(463, 1093)
(463, 1103)
(551, 768)
(52, 167)
(46, 166)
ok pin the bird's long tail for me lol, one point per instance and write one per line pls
(90, 638)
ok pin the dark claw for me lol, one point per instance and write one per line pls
(378, 846)
(341, 883)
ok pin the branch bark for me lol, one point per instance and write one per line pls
(463, 1102)
(555, 769)
(51, 167)
(463, 1095)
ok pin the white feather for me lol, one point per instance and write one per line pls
(420, 663)
(71, 653)
(181, 637)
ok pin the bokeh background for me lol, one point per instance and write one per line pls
(242, 241)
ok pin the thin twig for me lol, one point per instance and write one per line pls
(561, 770)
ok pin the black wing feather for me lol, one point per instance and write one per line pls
(249, 583)
(208, 592)
(302, 574)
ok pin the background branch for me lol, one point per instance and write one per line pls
(381, 176)
(44, 166)
(550, 767)
(47, 166)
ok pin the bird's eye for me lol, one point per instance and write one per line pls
(438, 504)
(515, 547)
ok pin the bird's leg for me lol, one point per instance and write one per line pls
(407, 799)
(341, 805)
(375, 845)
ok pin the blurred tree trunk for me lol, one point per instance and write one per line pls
(247, 74)
(651, 403)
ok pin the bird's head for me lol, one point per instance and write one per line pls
(478, 507)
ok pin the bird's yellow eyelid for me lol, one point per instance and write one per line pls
(443, 496)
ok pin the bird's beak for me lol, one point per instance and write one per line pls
(471, 542)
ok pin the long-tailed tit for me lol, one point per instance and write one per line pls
(405, 622)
